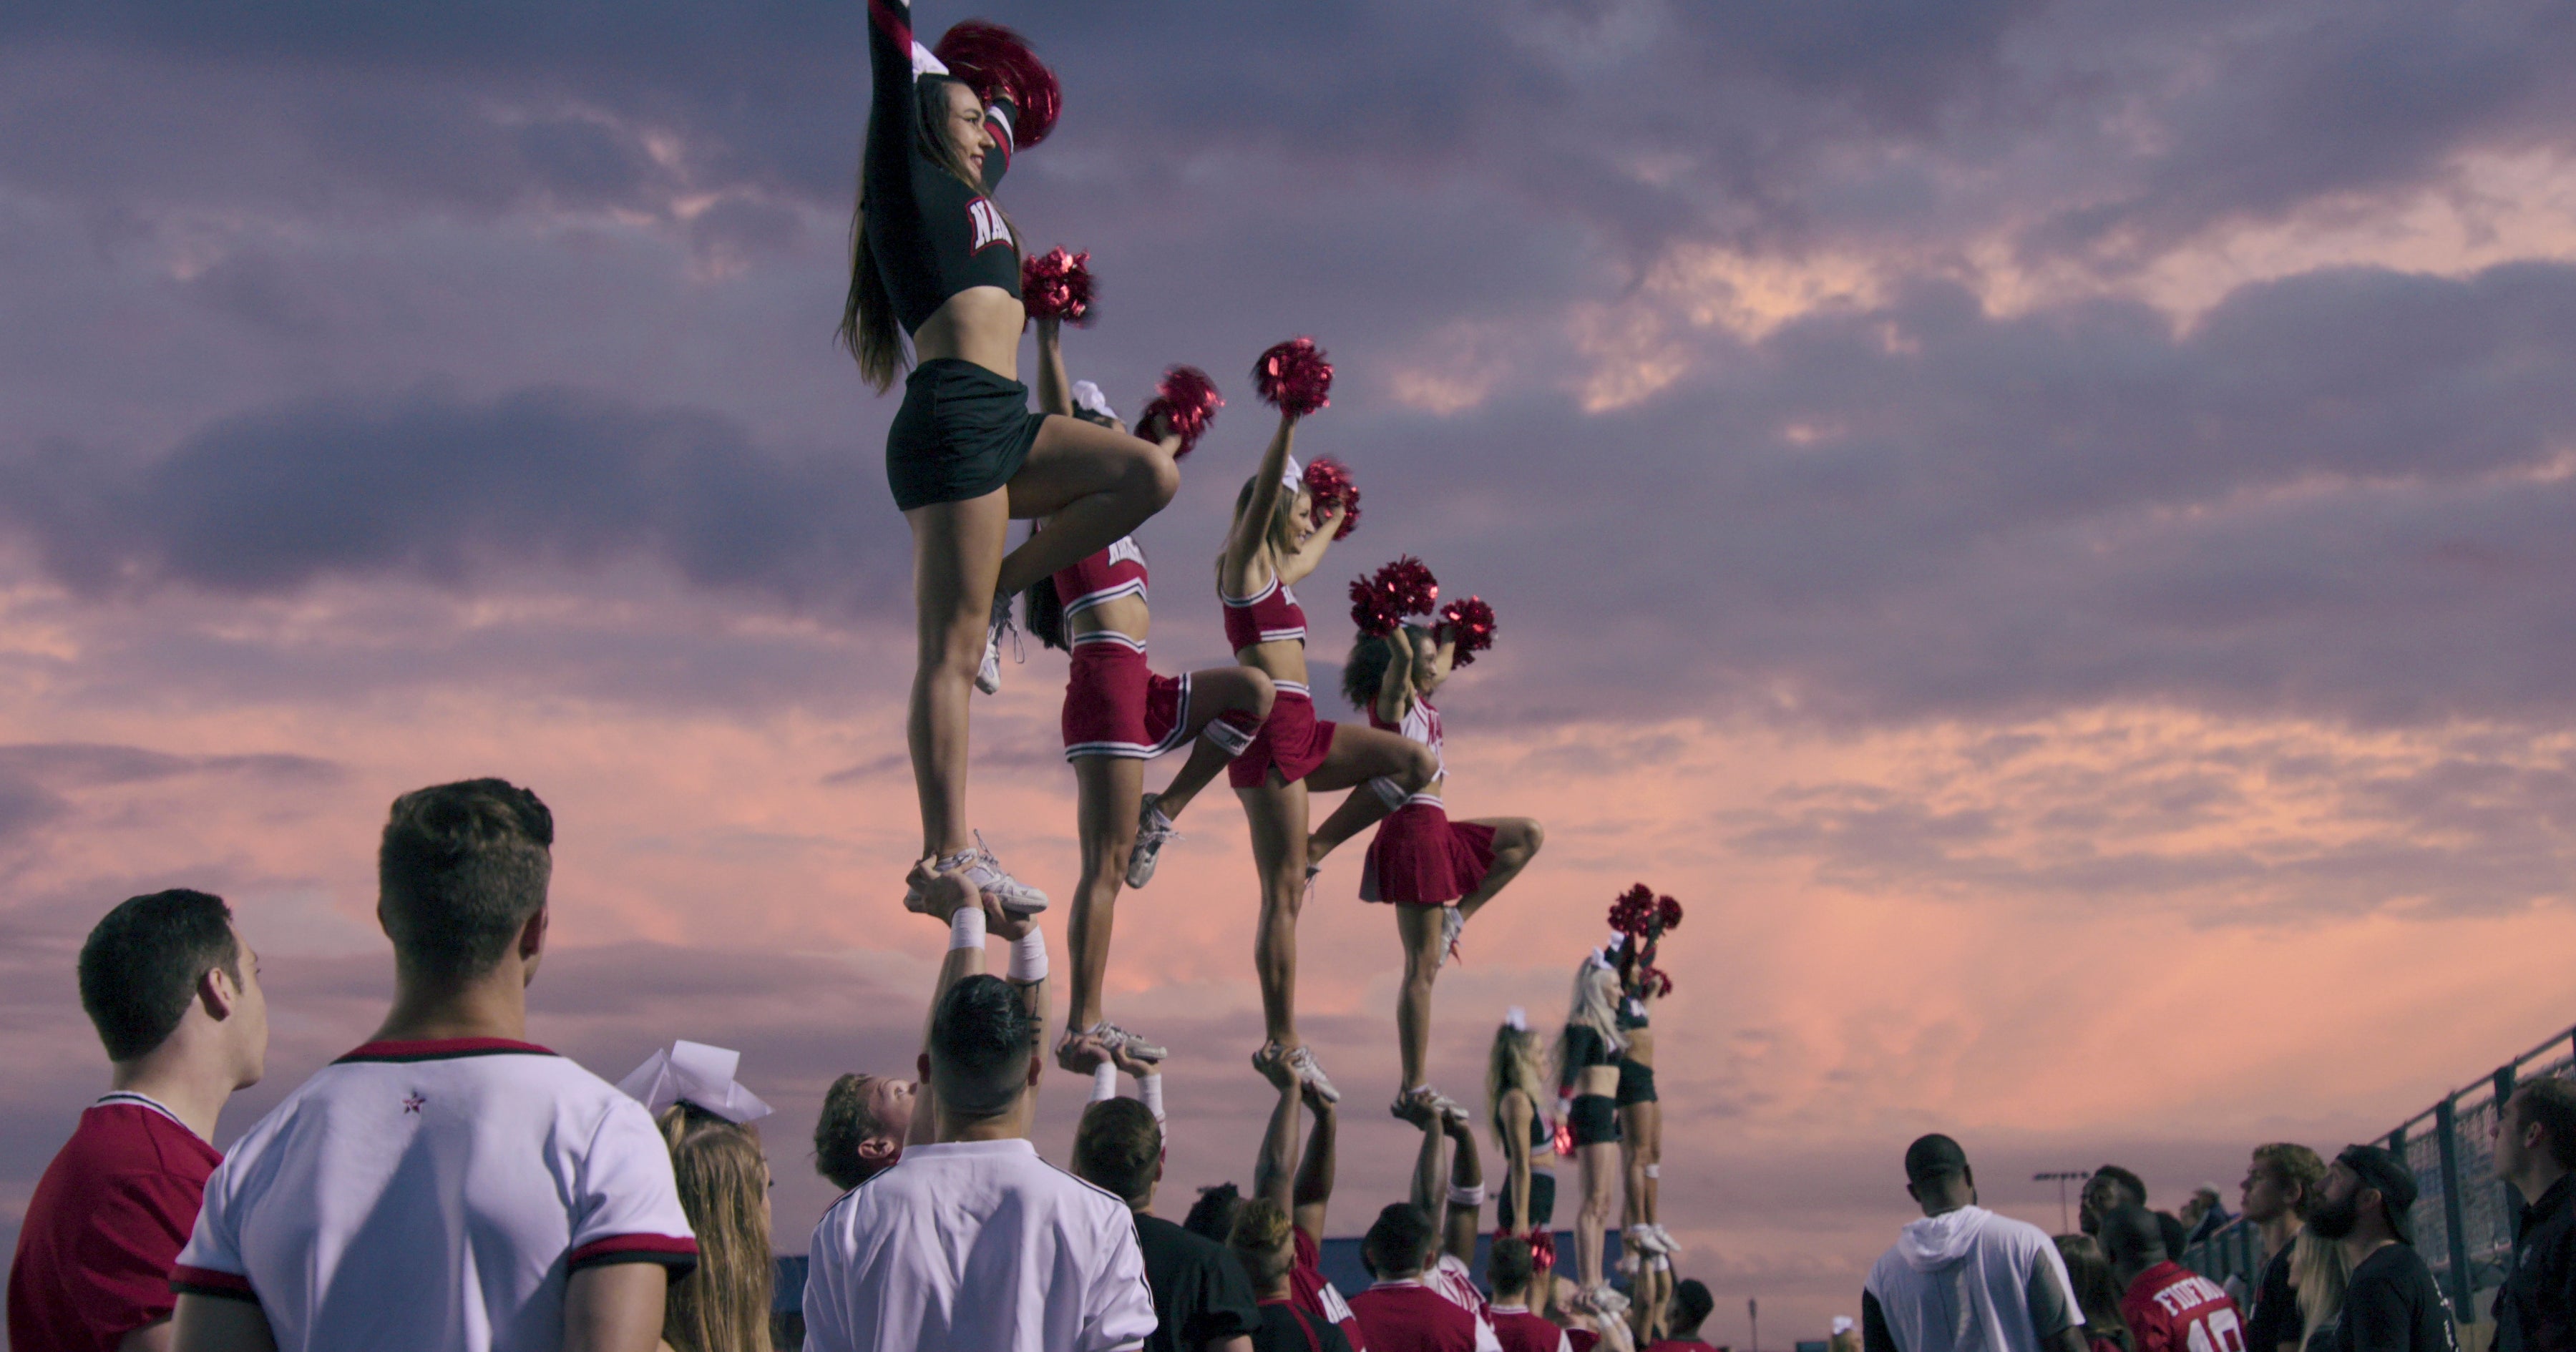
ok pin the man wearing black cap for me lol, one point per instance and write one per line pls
(1964, 1279)
(2392, 1303)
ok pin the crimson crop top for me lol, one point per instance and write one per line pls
(1270, 615)
(933, 236)
(1102, 577)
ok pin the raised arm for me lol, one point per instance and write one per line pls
(1252, 525)
(944, 897)
(1315, 1172)
(1310, 555)
(1466, 1190)
(1271, 1178)
(1055, 392)
(1517, 1110)
(893, 107)
(1444, 654)
(1395, 689)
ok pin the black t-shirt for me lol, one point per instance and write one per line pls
(2535, 1310)
(1200, 1292)
(2276, 1307)
(1285, 1328)
(2394, 1305)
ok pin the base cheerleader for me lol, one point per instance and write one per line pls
(1514, 1092)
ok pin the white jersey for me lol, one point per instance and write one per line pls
(435, 1195)
(1421, 724)
(1966, 1281)
(977, 1246)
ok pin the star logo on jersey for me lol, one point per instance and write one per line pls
(414, 1103)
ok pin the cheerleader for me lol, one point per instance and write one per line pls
(1277, 539)
(1118, 713)
(1437, 872)
(1587, 1059)
(1641, 1115)
(933, 256)
(1513, 1095)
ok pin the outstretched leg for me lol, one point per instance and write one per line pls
(1359, 755)
(1361, 809)
(956, 553)
(1420, 928)
(1228, 705)
(1516, 842)
(1109, 786)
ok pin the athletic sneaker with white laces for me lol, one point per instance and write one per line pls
(1641, 1237)
(988, 675)
(1302, 1064)
(1153, 832)
(1424, 1100)
(1672, 1247)
(1113, 1038)
(1604, 1300)
(987, 874)
(1453, 922)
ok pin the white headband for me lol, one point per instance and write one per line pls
(1516, 1019)
(1292, 478)
(699, 1074)
(1088, 396)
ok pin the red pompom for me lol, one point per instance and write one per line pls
(1654, 979)
(1330, 483)
(997, 64)
(1634, 910)
(1057, 285)
(1294, 377)
(1668, 914)
(1473, 622)
(1187, 402)
(1380, 602)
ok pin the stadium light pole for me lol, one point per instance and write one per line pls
(2061, 1179)
(1753, 1313)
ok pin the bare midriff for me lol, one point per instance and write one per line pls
(1127, 615)
(980, 324)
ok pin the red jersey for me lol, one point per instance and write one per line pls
(104, 1225)
(1520, 1331)
(1309, 1291)
(1407, 1316)
(1679, 1345)
(1270, 615)
(2170, 1308)
(1099, 578)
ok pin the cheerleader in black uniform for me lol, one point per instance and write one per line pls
(932, 255)
(1587, 1059)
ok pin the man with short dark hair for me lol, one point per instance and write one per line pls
(972, 1241)
(1964, 1279)
(2535, 1151)
(2168, 1307)
(2279, 1184)
(2112, 1185)
(1514, 1271)
(1690, 1309)
(2391, 1303)
(449, 1185)
(1401, 1312)
(174, 994)
(1202, 1300)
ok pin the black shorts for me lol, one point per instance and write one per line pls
(1636, 1083)
(1595, 1120)
(1542, 1199)
(962, 432)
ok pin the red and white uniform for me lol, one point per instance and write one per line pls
(1520, 1331)
(1419, 857)
(1294, 741)
(435, 1195)
(1312, 1292)
(1413, 1316)
(2170, 1308)
(1114, 703)
(105, 1223)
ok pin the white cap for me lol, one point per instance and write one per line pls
(699, 1074)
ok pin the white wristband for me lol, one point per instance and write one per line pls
(966, 928)
(1104, 1082)
(1029, 957)
(1149, 1087)
(1654, 1171)
(1459, 1196)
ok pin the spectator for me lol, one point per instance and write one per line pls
(2203, 1215)
(1402, 1312)
(1305, 1193)
(1263, 1239)
(2097, 1294)
(1212, 1215)
(2279, 1184)
(2392, 1303)
(972, 1241)
(1690, 1309)
(2112, 1185)
(867, 1119)
(174, 994)
(1514, 1272)
(2319, 1272)
(448, 1185)
(2535, 1150)
(1202, 1301)
(2168, 1307)
(1964, 1279)
(705, 1118)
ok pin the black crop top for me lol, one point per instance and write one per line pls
(1631, 1014)
(933, 236)
(1584, 1048)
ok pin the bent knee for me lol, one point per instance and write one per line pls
(1421, 765)
(1152, 475)
(1265, 692)
(1530, 835)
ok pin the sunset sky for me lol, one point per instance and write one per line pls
(2048, 524)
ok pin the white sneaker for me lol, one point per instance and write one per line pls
(1672, 1247)
(1114, 1038)
(1301, 1063)
(1153, 831)
(1453, 923)
(987, 874)
(988, 676)
(1604, 1300)
(1641, 1237)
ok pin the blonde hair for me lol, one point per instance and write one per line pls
(1516, 1062)
(1595, 1006)
(1262, 1242)
(1277, 535)
(724, 1188)
(2320, 1272)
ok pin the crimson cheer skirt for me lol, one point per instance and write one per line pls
(1421, 858)
(1114, 704)
(1294, 742)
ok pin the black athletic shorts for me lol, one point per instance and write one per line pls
(1595, 1120)
(962, 432)
(1636, 1083)
(1542, 1199)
